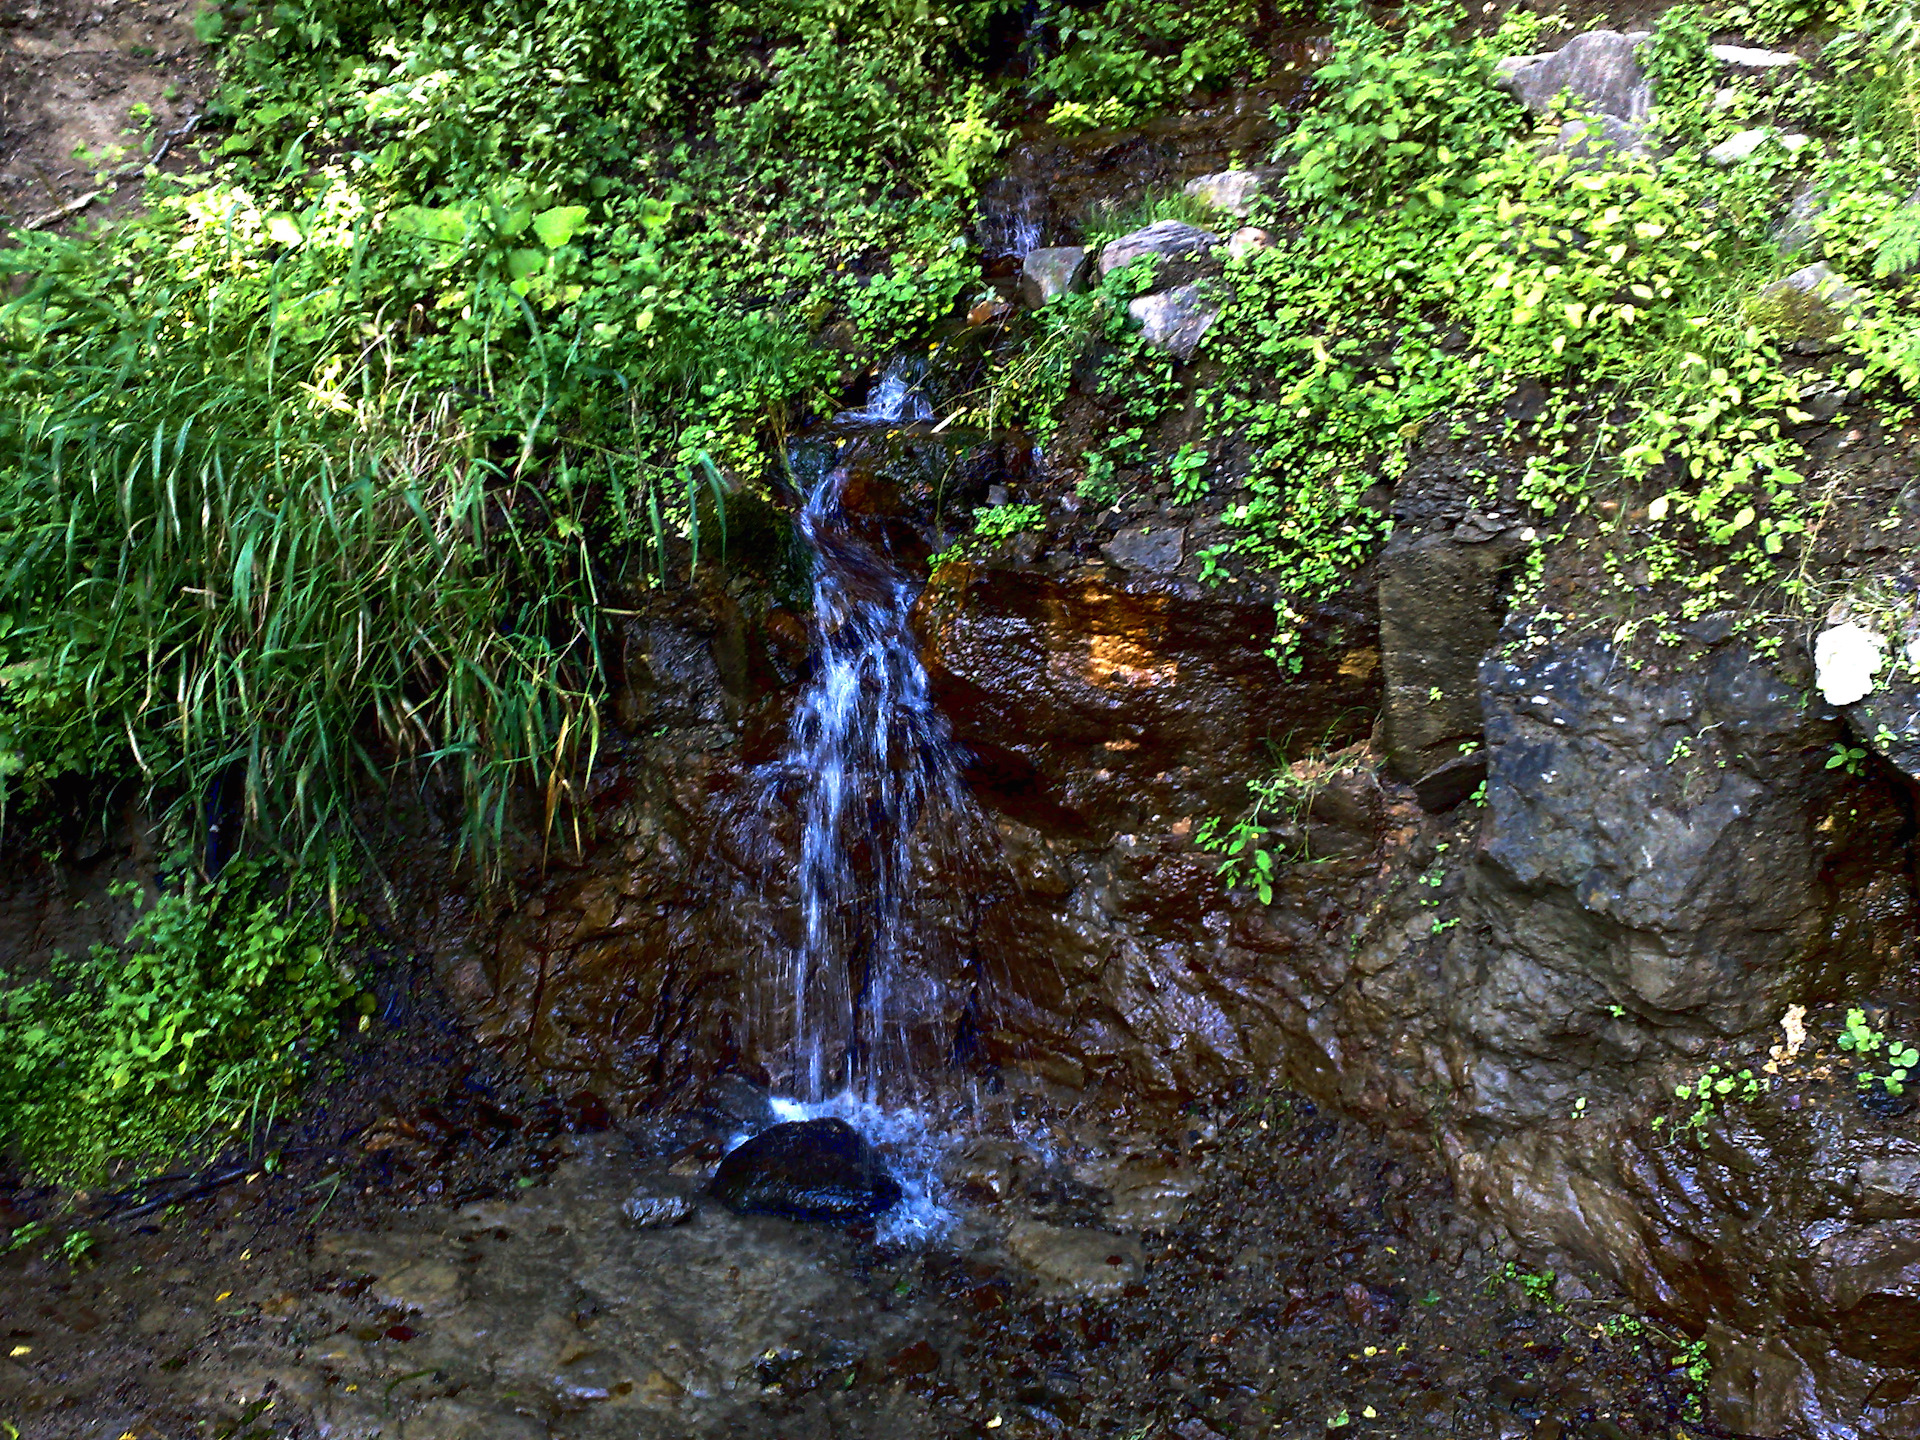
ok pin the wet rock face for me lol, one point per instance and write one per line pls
(1656, 833)
(1441, 605)
(1663, 863)
(1093, 703)
(806, 1170)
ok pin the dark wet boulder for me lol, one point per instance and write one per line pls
(806, 1170)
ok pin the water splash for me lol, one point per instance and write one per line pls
(914, 1148)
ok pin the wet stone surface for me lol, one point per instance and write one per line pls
(1255, 1268)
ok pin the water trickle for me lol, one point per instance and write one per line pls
(897, 397)
(1012, 230)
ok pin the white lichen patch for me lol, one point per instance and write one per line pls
(1845, 660)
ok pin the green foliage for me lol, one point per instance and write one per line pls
(1188, 469)
(325, 463)
(991, 525)
(1706, 1093)
(1536, 1285)
(1404, 118)
(206, 1016)
(1897, 247)
(1272, 832)
(1123, 59)
(1850, 758)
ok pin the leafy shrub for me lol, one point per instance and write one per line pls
(1403, 119)
(1122, 58)
(205, 1018)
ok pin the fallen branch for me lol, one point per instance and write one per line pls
(115, 180)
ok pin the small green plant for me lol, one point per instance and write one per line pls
(194, 1031)
(1251, 853)
(991, 525)
(29, 1234)
(1846, 757)
(77, 1246)
(1536, 1285)
(1188, 470)
(1706, 1093)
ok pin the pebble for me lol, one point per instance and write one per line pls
(431, 1288)
(645, 1210)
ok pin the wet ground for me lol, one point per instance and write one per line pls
(440, 1255)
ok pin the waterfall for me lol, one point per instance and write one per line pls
(876, 768)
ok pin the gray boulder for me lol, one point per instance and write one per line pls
(1158, 549)
(1599, 73)
(1175, 320)
(1051, 272)
(1596, 74)
(1170, 238)
(1228, 190)
(1808, 309)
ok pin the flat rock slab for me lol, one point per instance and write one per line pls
(1171, 238)
(428, 1288)
(1158, 550)
(1228, 190)
(1743, 58)
(1074, 1261)
(646, 1210)
(806, 1170)
(1738, 147)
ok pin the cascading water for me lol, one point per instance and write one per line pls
(867, 788)
(879, 760)
(855, 815)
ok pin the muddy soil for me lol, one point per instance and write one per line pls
(440, 1253)
(89, 90)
